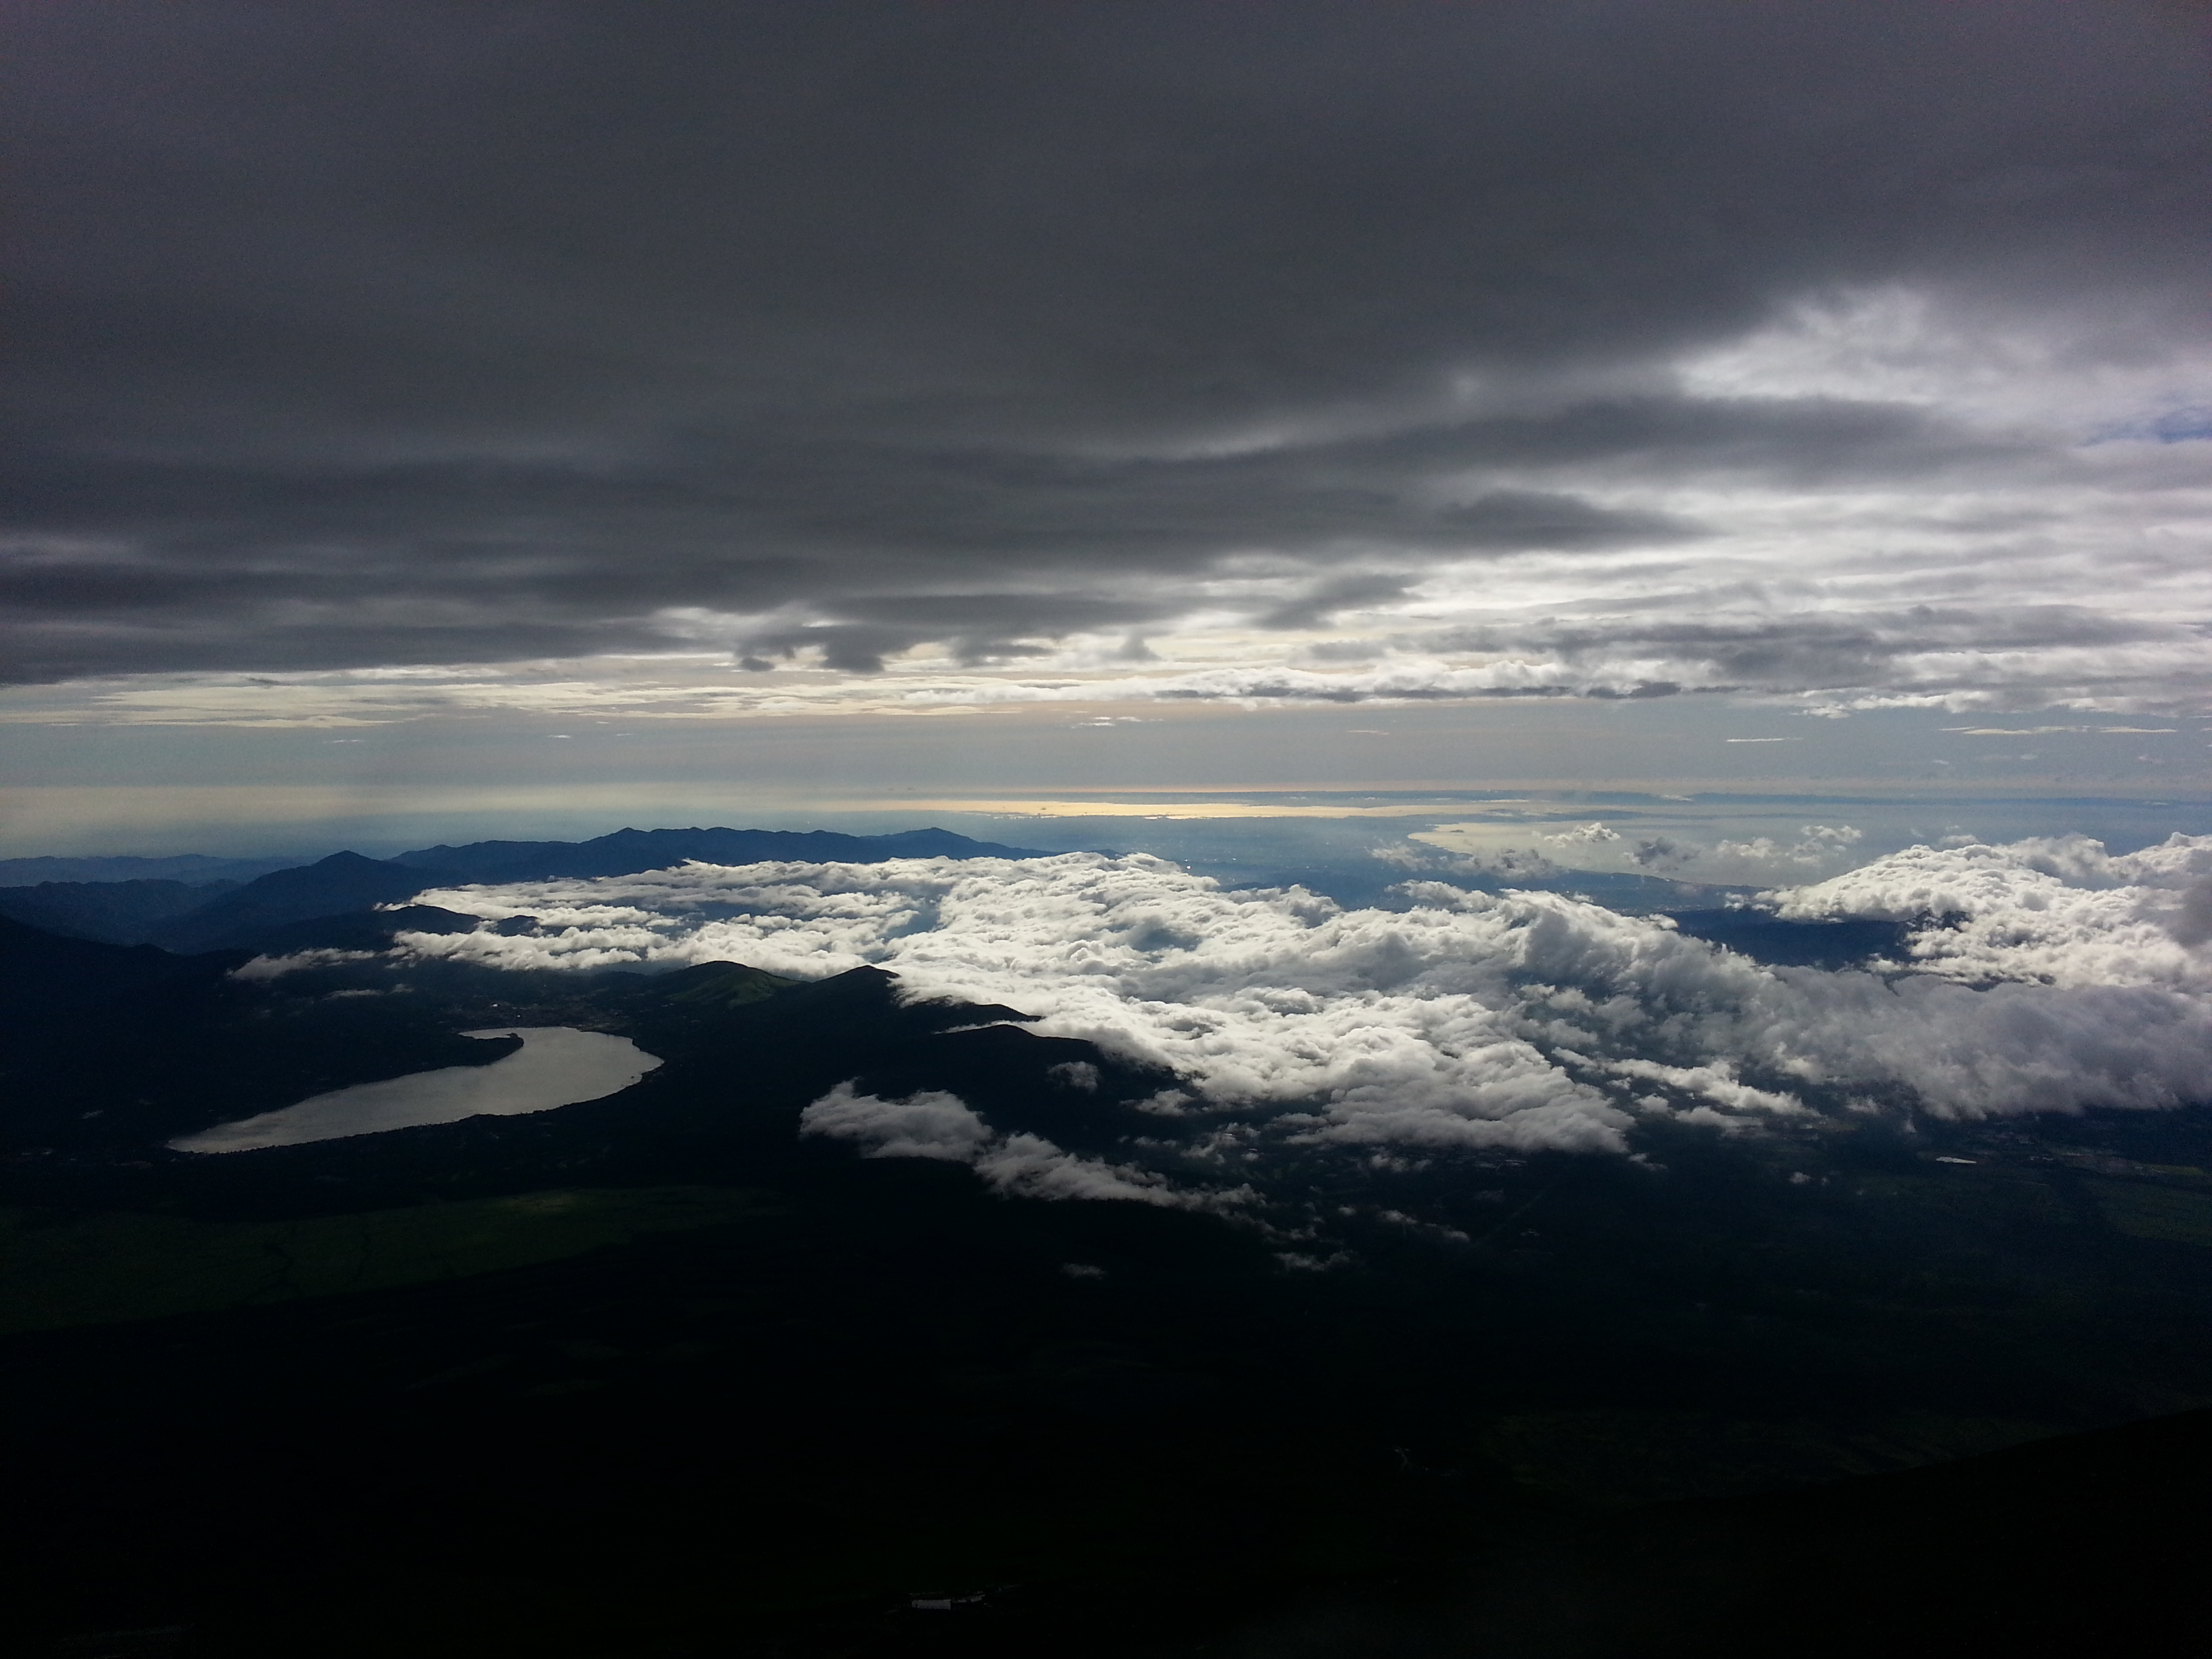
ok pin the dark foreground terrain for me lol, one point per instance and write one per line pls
(655, 1376)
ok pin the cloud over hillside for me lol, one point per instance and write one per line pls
(1471, 1022)
(2056, 911)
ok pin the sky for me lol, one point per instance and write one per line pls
(424, 421)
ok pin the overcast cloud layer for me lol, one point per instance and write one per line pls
(956, 353)
(2043, 977)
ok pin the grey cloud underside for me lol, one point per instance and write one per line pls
(195, 565)
(348, 335)
(1828, 651)
(890, 547)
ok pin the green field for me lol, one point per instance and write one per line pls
(2166, 1213)
(99, 1269)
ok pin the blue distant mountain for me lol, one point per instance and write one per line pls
(196, 868)
(267, 909)
(115, 912)
(626, 852)
(342, 882)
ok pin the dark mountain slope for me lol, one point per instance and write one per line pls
(342, 882)
(48, 978)
(359, 930)
(194, 868)
(115, 912)
(760, 1436)
(745, 1053)
(739, 1068)
(2082, 1544)
(845, 1381)
(714, 987)
(108, 1050)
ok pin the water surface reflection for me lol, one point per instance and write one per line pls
(556, 1066)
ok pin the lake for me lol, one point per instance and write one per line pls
(556, 1066)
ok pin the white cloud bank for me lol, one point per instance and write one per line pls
(1472, 1021)
(2059, 912)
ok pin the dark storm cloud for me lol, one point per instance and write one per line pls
(1792, 651)
(1322, 602)
(889, 546)
(351, 333)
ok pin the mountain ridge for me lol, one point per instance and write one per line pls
(124, 912)
(617, 852)
(137, 909)
(342, 883)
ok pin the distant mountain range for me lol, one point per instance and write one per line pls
(135, 907)
(626, 852)
(332, 886)
(194, 868)
(114, 912)
(331, 903)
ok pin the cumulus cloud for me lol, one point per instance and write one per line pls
(1814, 849)
(2056, 911)
(1509, 865)
(931, 1124)
(1470, 1022)
(1816, 844)
(936, 1125)
(1030, 1166)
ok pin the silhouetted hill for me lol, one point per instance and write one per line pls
(361, 930)
(684, 1006)
(46, 976)
(2081, 1544)
(107, 1051)
(115, 912)
(126, 909)
(627, 852)
(342, 882)
(190, 868)
(2088, 1543)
